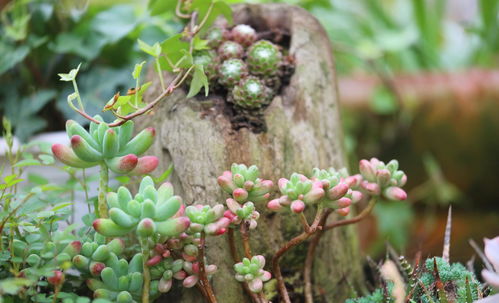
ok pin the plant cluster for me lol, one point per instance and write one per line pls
(247, 67)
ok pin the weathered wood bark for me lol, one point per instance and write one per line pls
(303, 131)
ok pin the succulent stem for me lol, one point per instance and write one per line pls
(202, 272)
(245, 239)
(290, 244)
(103, 181)
(146, 274)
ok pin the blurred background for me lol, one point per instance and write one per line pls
(418, 80)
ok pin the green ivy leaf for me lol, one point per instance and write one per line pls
(199, 80)
(172, 49)
(71, 75)
(219, 8)
(153, 50)
(200, 44)
(138, 69)
(157, 7)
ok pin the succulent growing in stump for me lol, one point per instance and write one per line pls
(383, 179)
(244, 34)
(264, 58)
(113, 147)
(296, 193)
(215, 36)
(230, 49)
(150, 211)
(231, 72)
(251, 271)
(250, 93)
(244, 184)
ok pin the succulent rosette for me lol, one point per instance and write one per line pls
(238, 213)
(97, 255)
(215, 36)
(230, 49)
(243, 34)
(208, 219)
(264, 58)
(208, 60)
(251, 93)
(152, 211)
(244, 184)
(115, 147)
(51, 253)
(297, 192)
(336, 184)
(252, 272)
(380, 179)
(121, 281)
(231, 71)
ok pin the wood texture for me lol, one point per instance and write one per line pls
(303, 131)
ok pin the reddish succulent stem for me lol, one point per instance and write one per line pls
(292, 243)
(237, 259)
(202, 273)
(309, 260)
(245, 239)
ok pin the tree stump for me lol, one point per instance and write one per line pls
(303, 131)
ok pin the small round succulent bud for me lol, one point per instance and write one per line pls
(244, 34)
(230, 49)
(215, 36)
(231, 72)
(264, 58)
(250, 93)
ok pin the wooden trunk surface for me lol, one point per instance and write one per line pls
(303, 131)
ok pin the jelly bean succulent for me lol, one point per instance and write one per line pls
(151, 211)
(251, 271)
(297, 192)
(207, 219)
(383, 179)
(244, 184)
(115, 147)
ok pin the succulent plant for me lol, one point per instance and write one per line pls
(383, 179)
(243, 34)
(165, 271)
(238, 213)
(251, 271)
(251, 93)
(206, 218)
(215, 36)
(231, 72)
(230, 49)
(113, 147)
(244, 184)
(97, 255)
(42, 254)
(338, 194)
(192, 271)
(264, 58)
(122, 281)
(209, 60)
(297, 192)
(151, 211)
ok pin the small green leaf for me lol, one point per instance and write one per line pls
(27, 162)
(153, 50)
(172, 49)
(200, 44)
(47, 159)
(71, 75)
(164, 175)
(61, 206)
(138, 69)
(199, 80)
